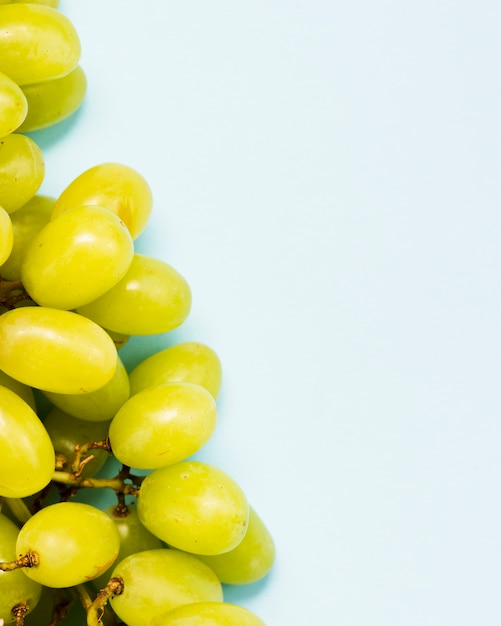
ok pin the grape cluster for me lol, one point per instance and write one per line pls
(72, 292)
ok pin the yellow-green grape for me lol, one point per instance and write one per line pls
(73, 543)
(22, 170)
(55, 350)
(134, 537)
(15, 587)
(208, 614)
(48, 3)
(20, 389)
(27, 457)
(163, 425)
(118, 187)
(26, 223)
(250, 561)
(195, 507)
(52, 101)
(37, 43)
(76, 258)
(13, 105)
(189, 362)
(100, 405)
(156, 581)
(151, 298)
(6, 236)
(66, 431)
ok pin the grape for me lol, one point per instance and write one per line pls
(190, 362)
(163, 425)
(23, 391)
(66, 432)
(156, 581)
(195, 507)
(22, 169)
(13, 105)
(250, 561)
(76, 258)
(6, 235)
(74, 543)
(97, 406)
(134, 537)
(26, 223)
(49, 3)
(56, 350)
(114, 186)
(38, 33)
(207, 614)
(151, 298)
(53, 100)
(15, 587)
(26, 452)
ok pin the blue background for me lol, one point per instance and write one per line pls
(326, 177)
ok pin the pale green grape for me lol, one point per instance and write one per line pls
(97, 406)
(40, 34)
(26, 453)
(76, 258)
(66, 432)
(15, 587)
(13, 105)
(54, 100)
(56, 350)
(190, 362)
(22, 169)
(156, 581)
(134, 537)
(23, 391)
(74, 543)
(115, 186)
(250, 561)
(163, 425)
(6, 235)
(151, 298)
(26, 223)
(207, 614)
(195, 507)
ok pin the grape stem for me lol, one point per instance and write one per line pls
(95, 608)
(117, 483)
(12, 292)
(19, 612)
(80, 449)
(30, 559)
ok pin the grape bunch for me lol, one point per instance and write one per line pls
(73, 290)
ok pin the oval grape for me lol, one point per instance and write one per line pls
(22, 170)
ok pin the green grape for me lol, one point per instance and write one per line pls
(134, 537)
(26, 453)
(23, 391)
(36, 43)
(76, 258)
(250, 561)
(53, 100)
(13, 105)
(100, 405)
(156, 581)
(26, 223)
(74, 543)
(115, 186)
(207, 614)
(48, 3)
(195, 507)
(163, 425)
(190, 362)
(151, 298)
(55, 350)
(6, 235)
(66, 432)
(22, 169)
(15, 587)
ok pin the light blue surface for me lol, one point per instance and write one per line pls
(326, 177)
